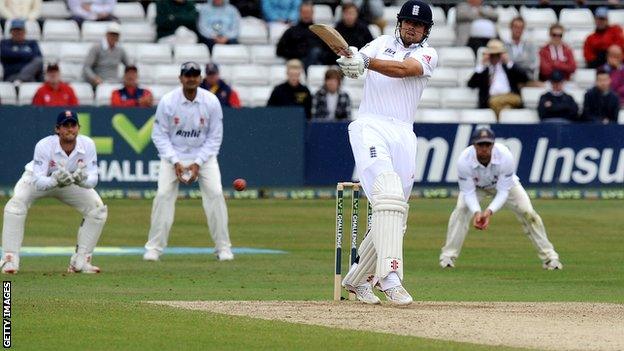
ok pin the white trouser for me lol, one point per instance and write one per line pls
(163, 208)
(381, 146)
(518, 202)
(25, 194)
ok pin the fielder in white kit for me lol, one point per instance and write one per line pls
(64, 166)
(487, 168)
(384, 146)
(187, 133)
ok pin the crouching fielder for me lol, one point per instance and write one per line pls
(487, 168)
(65, 167)
(384, 146)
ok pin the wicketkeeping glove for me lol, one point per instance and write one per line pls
(80, 174)
(62, 177)
(354, 66)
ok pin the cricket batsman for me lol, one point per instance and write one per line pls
(487, 168)
(384, 145)
(64, 167)
(187, 133)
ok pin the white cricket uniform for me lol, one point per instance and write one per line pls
(188, 132)
(36, 182)
(498, 178)
(382, 138)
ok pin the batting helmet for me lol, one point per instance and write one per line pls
(416, 10)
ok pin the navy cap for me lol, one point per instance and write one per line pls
(66, 116)
(190, 68)
(483, 135)
(212, 68)
(18, 23)
(602, 12)
(557, 76)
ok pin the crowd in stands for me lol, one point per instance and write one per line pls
(509, 55)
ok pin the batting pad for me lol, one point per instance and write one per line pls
(366, 266)
(13, 225)
(91, 228)
(389, 213)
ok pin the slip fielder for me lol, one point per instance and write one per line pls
(384, 146)
(64, 166)
(487, 168)
(187, 133)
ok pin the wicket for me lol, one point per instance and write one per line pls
(355, 204)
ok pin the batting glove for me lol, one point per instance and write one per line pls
(62, 177)
(354, 66)
(80, 174)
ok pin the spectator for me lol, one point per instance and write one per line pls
(219, 23)
(556, 106)
(298, 42)
(521, 51)
(330, 103)
(556, 55)
(248, 7)
(292, 92)
(597, 43)
(615, 68)
(21, 59)
(54, 92)
(92, 10)
(227, 96)
(283, 11)
(131, 95)
(372, 12)
(29, 10)
(601, 105)
(102, 62)
(467, 12)
(353, 30)
(498, 79)
(176, 21)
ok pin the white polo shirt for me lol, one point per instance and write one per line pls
(395, 97)
(49, 156)
(188, 130)
(499, 174)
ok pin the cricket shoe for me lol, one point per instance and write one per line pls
(224, 254)
(447, 262)
(81, 263)
(551, 265)
(364, 293)
(10, 264)
(151, 255)
(398, 296)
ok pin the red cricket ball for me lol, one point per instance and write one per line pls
(239, 184)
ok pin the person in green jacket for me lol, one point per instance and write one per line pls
(171, 14)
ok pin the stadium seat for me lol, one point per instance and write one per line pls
(74, 52)
(505, 15)
(71, 72)
(129, 12)
(579, 58)
(579, 96)
(167, 74)
(451, 17)
(354, 93)
(375, 31)
(531, 96)
(260, 96)
(278, 74)
(459, 98)
(94, 31)
(146, 75)
(158, 91)
(390, 15)
(621, 117)
(462, 56)
(191, 52)
(276, 30)
(8, 96)
(150, 13)
(60, 30)
(230, 54)
(437, 116)
(585, 78)
(442, 36)
(538, 17)
(504, 33)
(250, 74)
(131, 51)
(476, 116)
(576, 37)
(323, 14)
(518, 116)
(244, 95)
(253, 33)
(463, 76)
(438, 16)
(616, 16)
(33, 31)
(54, 9)
(430, 98)
(139, 32)
(316, 75)
(103, 93)
(26, 92)
(50, 51)
(577, 18)
(153, 53)
(540, 36)
(444, 77)
(265, 55)
(84, 92)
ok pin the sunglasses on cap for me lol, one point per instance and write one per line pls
(190, 69)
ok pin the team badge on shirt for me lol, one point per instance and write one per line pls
(176, 120)
(427, 58)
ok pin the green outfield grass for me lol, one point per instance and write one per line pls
(53, 310)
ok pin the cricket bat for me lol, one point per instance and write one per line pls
(332, 38)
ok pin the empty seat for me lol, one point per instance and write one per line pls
(260, 96)
(33, 31)
(276, 30)
(253, 33)
(158, 91)
(54, 9)
(463, 76)
(94, 31)
(278, 74)
(150, 13)
(585, 77)
(476, 116)
(531, 96)
(430, 99)
(167, 74)
(230, 54)
(579, 96)
(579, 57)
(462, 56)
(437, 116)
(84, 92)
(104, 92)
(244, 95)
(374, 30)
(145, 72)
(444, 77)
(505, 15)
(576, 37)
(153, 53)
(540, 36)
(577, 18)
(451, 17)
(129, 11)
(323, 14)
(140, 32)
(442, 36)
(265, 55)
(26, 92)
(316, 75)
(459, 98)
(191, 52)
(538, 17)
(390, 14)
(8, 96)
(50, 51)
(621, 117)
(225, 72)
(74, 52)
(250, 75)
(518, 116)
(71, 72)
(438, 15)
(616, 16)
(60, 30)
(131, 51)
